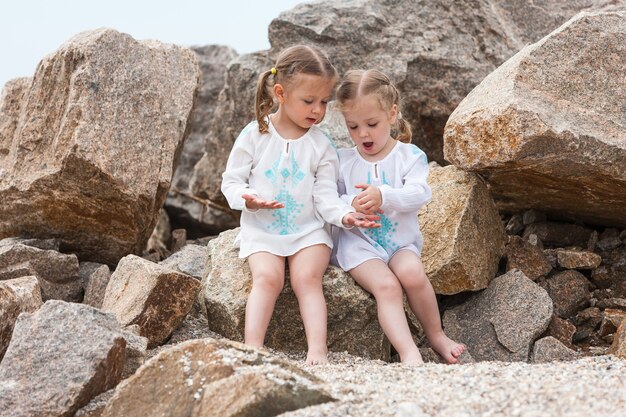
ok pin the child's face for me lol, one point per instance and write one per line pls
(370, 126)
(305, 98)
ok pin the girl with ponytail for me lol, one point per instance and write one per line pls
(387, 175)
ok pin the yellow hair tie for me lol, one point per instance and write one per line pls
(273, 71)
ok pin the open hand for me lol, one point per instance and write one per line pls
(369, 200)
(361, 220)
(254, 203)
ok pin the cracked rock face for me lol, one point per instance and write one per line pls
(59, 358)
(87, 147)
(502, 322)
(218, 378)
(547, 129)
(463, 236)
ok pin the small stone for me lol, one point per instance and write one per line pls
(549, 349)
(535, 241)
(515, 225)
(574, 259)
(593, 240)
(609, 243)
(533, 216)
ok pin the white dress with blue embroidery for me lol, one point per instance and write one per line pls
(300, 173)
(401, 177)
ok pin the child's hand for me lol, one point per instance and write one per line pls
(254, 203)
(369, 200)
(361, 220)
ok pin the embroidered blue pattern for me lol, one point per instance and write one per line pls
(383, 236)
(285, 180)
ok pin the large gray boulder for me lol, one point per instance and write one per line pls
(547, 129)
(352, 319)
(59, 358)
(501, 322)
(90, 157)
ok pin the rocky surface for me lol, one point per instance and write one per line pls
(154, 298)
(91, 156)
(547, 128)
(17, 296)
(58, 273)
(463, 236)
(502, 322)
(214, 378)
(436, 53)
(59, 358)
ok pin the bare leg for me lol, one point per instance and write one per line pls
(408, 267)
(306, 270)
(268, 278)
(376, 278)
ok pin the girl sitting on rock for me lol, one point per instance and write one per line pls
(282, 174)
(387, 175)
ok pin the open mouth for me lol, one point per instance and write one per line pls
(311, 120)
(368, 145)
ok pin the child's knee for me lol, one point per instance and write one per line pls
(304, 280)
(415, 281)
(388, 287)
(268, 281)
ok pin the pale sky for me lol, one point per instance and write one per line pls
(31, 29)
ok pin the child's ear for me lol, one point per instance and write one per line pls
(279, 93)
(393, 114)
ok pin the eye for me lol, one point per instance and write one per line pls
(351, 127)
(308, 101)
(324, 102)
(372, 124)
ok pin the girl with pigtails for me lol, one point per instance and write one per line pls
(386, 175)
(282, 173)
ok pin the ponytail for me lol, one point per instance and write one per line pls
(264, 103)
(404, 130)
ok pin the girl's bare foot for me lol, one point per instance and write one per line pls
(447, 348)
(316, 358)
(412, 359)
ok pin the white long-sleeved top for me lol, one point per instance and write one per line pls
(401, 177)
(300, 173)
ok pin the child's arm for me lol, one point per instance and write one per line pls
(235, 178)
(329, 205)
(415, 192)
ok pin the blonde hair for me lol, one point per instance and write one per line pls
(298, 59)
(357, 83)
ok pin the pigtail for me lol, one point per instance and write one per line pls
(404, 130)
(264, 103)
